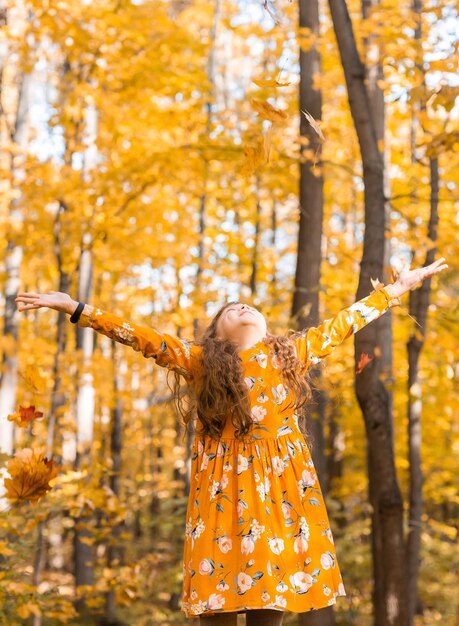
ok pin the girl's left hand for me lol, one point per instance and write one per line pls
(409, 279)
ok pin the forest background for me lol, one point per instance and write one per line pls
(158, 158)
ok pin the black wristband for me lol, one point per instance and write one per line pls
(77, 312)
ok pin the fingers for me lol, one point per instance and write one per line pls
(28, 301)
(434, 268)
(27, 307)
(437, 262)
(28, 298)
(437, 265)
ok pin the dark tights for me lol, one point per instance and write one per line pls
(254, 617)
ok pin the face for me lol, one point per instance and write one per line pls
(241, 323)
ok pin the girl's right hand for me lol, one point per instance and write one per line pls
(56, 300)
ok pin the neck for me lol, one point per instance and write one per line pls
(248, 340)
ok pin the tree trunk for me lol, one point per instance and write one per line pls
(418, 308)
(14, 139)
(116, 433)
(385, 497)
(256, 245)
(373, 74)
(305, 306)
(57, 401)
(273, 282)
(84, 556)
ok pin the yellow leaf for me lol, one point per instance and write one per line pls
(27, 609)
(268, 112)
(30, 475)
(270, 82)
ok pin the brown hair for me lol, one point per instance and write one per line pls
(218, 390)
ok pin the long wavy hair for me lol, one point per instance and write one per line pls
(218, 391)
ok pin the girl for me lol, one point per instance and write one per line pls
(257, 534)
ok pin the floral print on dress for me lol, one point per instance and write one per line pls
(257, 533)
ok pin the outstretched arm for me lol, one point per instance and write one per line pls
(167, 350)
(317, 342)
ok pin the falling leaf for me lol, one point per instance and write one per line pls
(269, 82)
(25, 416)
(30, 473)
(314, 124)
(363, 362)
(268, 112)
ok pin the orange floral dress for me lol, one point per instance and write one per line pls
(257, 533)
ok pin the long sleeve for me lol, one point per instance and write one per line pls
(317, 342)
(168, 351)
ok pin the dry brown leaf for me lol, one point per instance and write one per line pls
(30, 473)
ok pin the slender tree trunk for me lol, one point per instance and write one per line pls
(83, 552)
(85, 404)
(373, 74)
(116, 442)
(57, 401)
(256, 245)
(305, 306)
(14, 138)
(387, 505)
(418, 308)
(273, 281)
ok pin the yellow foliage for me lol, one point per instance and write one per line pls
(27, 609)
